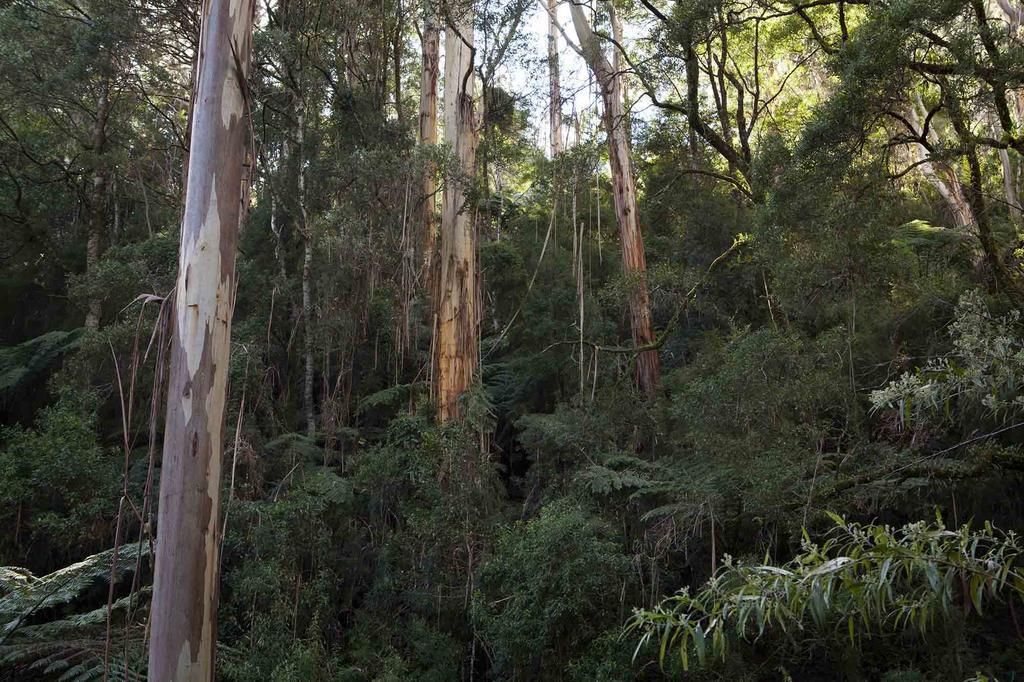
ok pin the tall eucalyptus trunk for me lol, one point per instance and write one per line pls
(456, 345)
(634, 263)
(184, 606)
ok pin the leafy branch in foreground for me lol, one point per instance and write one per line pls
(860, 581)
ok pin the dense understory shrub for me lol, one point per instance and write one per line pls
(549, 589)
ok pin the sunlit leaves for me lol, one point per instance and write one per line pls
(861, 581)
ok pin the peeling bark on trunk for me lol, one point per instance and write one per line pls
(184, 606)
(456, 345)
(97, 200)
(624, 194)
(555, 92)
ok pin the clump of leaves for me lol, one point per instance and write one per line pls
(979, 377)
(752, 414)
(549, 589)
(861, 582)
(44, 502)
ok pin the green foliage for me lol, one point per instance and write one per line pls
(50, 630)
(511, 543)
(56, 509)
(862, 581)
(979, 378)
(754, 412)
(146, 267)
(25, 363)
(273, 584)
(550, 587)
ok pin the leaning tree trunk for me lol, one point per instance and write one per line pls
(184, 606)
(634, 264)
(456, 347)
(428, 130)
(97, 200)
(554, 83)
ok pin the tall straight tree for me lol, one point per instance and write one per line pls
(184, 607)
(431, 46)
(98, 198)
(456, 347)
(554, 83)
(634, 262)
(307, 268)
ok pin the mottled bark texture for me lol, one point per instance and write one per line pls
(184, 606)
(456, 346)
(634, 264)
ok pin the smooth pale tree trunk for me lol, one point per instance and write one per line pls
(634, 264)
(555, 83)
(184, 607)
(940, 174)
(1014, 14)
(428, 130)
(456, 346)
(97, 199)
(945, 181)
(1011, 185)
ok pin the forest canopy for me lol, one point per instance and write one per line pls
(498, 340)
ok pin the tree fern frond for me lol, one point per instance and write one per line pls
(65, 584)
(71, 644)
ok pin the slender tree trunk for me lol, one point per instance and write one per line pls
(97, 199)
(634, 264)
(307, 274)
(307, 321)
(456, 345)
(1007, 279)
(185, 588)
(398, 46)
(428, 131)
(554, 78)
